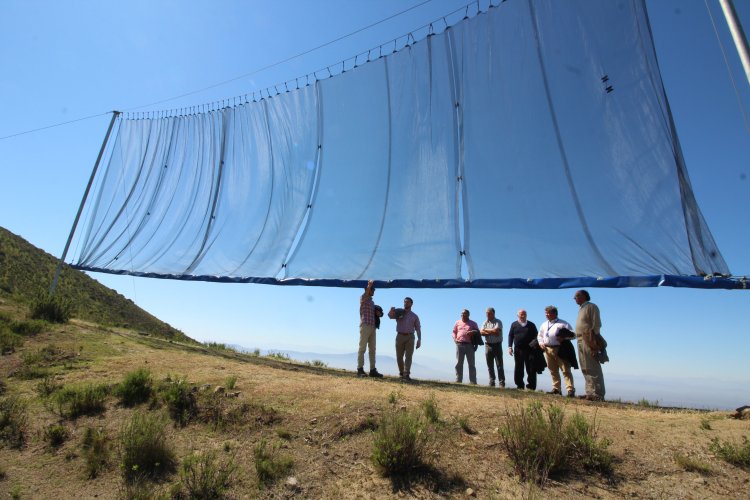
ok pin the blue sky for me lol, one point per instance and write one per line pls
(66, 60)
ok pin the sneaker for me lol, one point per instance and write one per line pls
(361, 372)
(374, 373)
(571, 394)
(502, 385)
(492, 383)
(406, 378)
(554, 391)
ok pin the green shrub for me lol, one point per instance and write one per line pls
(230, 382)
(180, 400)
(13, 418)
(96, 451)
(55, 308)
(88, 399)
(394, 396)
(202, 476)
(284, 434)
(735, 454)
(144, 448)
(278, 355)
(648, 404)
(692, 464)
(55, 435)
(705, 424)
(269, 465)
(135, 388)
(463, 423)
(539, 442)
(47, 386)
(31, 372)
(317, 363)
(430, 408)
(8, 340)
(400, 443)
(585, 448)
(31, 327)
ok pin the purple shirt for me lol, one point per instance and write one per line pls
(408, 323)
(461, 331)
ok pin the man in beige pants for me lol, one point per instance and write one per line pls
(588, 326)
(407, 322)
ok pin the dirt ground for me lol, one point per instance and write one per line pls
(320, 418)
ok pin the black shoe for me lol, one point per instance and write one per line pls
(361, 372)
(502, 385)
(554, 391)
(571, 394)
(406, 378)
(492, 383)
(375, 373)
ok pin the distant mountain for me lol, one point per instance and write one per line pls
(26, 271)
(421, 367)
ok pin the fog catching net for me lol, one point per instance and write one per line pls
(531, 145)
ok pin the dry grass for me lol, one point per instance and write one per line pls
(324, 420)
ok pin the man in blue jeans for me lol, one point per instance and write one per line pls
(492, 331)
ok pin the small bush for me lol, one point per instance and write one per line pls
(430, 408)
(135, 388)
(144, 448)
(47, 386)
(256, 352)
(55, 435)
(230, 382)
(269, 465)
(8, 340)
(89, 399)
(463, 422)
(96, 451)
(692, 464)
(284, 434)
(32, 372)
(540, 442)
(735, 454)
(394, 396)
(202, 476)
(31, 327)
(278, 355)
(55, 309)
(648, 404)
(705, 424)
(317, 363)
(400, 443)
(585, 448)
(13, 418)
(181, 401)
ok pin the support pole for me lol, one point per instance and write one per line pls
(740, 40)
(60, 264)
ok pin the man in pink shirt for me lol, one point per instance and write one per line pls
(462, 336)
(407, 322)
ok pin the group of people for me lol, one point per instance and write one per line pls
(532, 349)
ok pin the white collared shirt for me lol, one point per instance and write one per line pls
(548, 331)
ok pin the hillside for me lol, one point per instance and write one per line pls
(26, 271)
(308, 428)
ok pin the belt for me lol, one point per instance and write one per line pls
(404, 333)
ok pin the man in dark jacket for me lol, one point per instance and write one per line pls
(521, 333)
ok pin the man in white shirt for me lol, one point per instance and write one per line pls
(550, 343)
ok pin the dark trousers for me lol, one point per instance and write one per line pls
(493, 353)
(524, 359)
